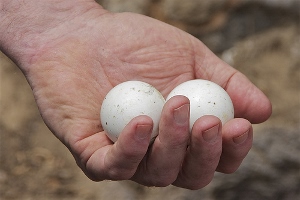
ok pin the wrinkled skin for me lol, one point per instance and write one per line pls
(79, 59)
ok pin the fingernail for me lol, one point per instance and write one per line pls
(181, 114)
(242, 138)
(143, 131)
(211, 134)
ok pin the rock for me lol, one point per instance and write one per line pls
(196, 11)
(136, 6)
(270, 171)
(242, 22)
(287, 4)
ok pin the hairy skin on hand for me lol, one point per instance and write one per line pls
(73, 52)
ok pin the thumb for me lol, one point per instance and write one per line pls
(249, 101)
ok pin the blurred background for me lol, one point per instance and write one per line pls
(258, 37)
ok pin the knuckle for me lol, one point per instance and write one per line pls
(161, 181)
(133, 155)
(119, 174)
(201, 184)
(152, 183)
(228, 170)
(196, 185)
(195, 182)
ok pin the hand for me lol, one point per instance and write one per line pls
(80, 59)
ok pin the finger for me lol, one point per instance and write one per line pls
(249, 101)
(168, 150)
(237, 141)
(122, 159)
(203, 154)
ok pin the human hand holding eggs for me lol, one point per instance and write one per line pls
(133, 98)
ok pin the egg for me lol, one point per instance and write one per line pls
(206, 98)
(127, 101)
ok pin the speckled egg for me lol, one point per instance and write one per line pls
(127, 101)
(206, 98)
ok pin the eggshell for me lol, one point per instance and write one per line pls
(206, 98)
(127, 101)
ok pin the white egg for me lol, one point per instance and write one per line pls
(126, 101)
(206, 98)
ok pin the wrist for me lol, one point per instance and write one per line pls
(27, 27)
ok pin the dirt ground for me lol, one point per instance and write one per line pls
(35, 165)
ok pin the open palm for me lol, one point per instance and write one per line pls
(92, 53)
